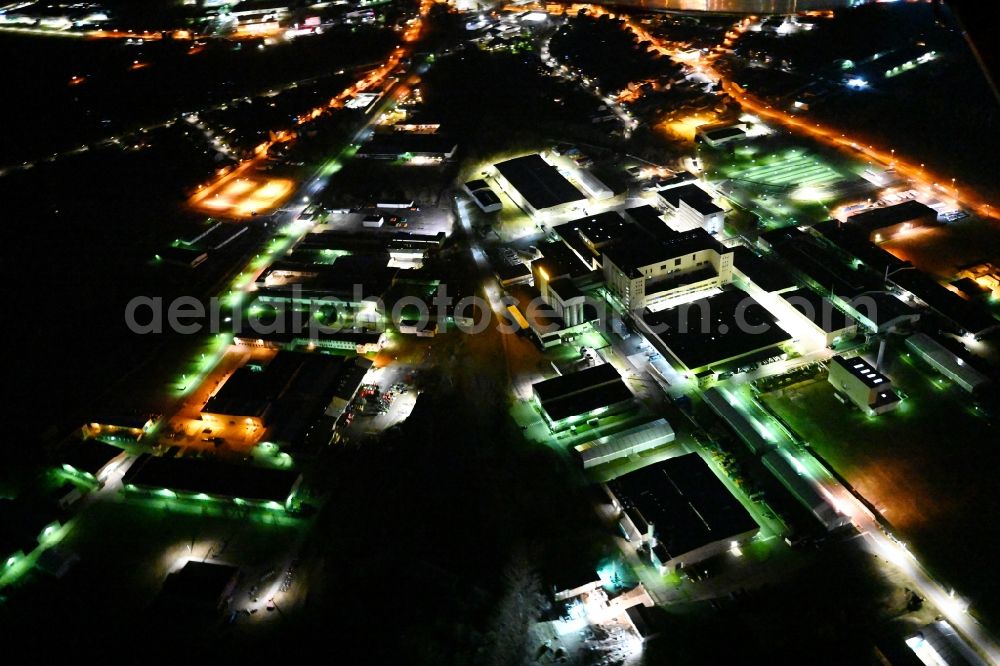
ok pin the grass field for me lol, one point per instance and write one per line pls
(928, 467)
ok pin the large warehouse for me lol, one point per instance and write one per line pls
(684, 512)
(626, 443)
(577, 396)
(712, 331)
(537, 186)
(881, 224)
(205, 479)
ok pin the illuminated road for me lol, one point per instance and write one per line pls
(286, 230)
(878, 540)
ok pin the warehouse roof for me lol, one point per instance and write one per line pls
(90, 456)
(693, 196)
(538, 182)
(581, 392)
(649, 220)
(211, 477)
(767, 275)
(719, 328)
(639, 438)
(686, 502)
(565, 289)
(576, 382)
(879, 218)
(558, 260)
(818, 309)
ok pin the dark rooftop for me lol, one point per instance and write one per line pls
(722, 133)
(211, 477)
(587, 235)
(580, 392)
(676, 179)
(575, 382)
(251, 391)
(400, 143)
(693, 196)
(970, 317)
(559, 260)
(854, 242)
(486, 197)
(633, 253)
(649, 220)
(879, 218)
(768, 275)
(818, 309)
(565, 289)
(822, 266)
(199, 582)
(90, 455)
(538, 182)
(686, 502)
(708, 331)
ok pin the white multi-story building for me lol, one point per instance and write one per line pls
(644, 274)
(690, 205)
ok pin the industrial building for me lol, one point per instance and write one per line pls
(758, 276)
(650, 221)
(623, 444)
(777, 461)
(286, 396)
(947, 362)
(537, 186)
(198, 586)
(593, 186)
(88, 460)
(719, 136)
(205, 479)
(867, 388)
(559, 261)
(780, 463)
(407, 145)
(563, 312)
(484, 197)
(588, 236)
(720, 329)
(881, 224)
(647, 273)
(690, 205)
(818, 315)
(723, 406)
(882, 312)
(291, 329)
(967, 316)
(684, 511)
(939, 643)
(568, 302)
(578, 396)
(676, 180)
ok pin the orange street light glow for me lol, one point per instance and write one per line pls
(241, 194)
